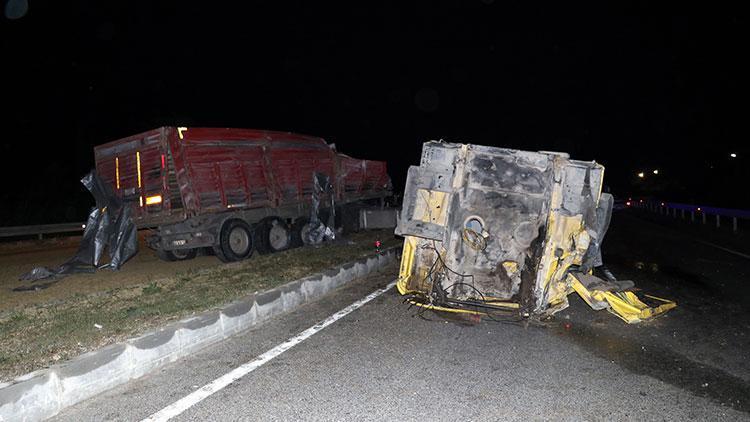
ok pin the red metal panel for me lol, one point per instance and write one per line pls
(258, 187)
(121, 158)
(376, 176)
(352, 174)
(293, 166)
(216, 169)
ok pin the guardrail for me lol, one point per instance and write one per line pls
(40, 230)
(692, 211)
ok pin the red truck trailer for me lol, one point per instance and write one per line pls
(232, 190)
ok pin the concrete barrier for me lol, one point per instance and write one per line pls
(44, 393)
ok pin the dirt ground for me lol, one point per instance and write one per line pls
(17, 258)
(83, 312)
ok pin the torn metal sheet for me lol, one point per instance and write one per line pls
(492, 229)
(109, 227)
(623, 304)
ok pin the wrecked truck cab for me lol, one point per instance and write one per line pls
(500, 230)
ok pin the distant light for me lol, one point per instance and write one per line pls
(662, 204)
(641, 201)
(641, 175)
(656, 171)
(733, 155)
(83, 226)
(699, 209)
(627, 203)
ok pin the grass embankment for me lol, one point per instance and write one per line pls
(37, 336)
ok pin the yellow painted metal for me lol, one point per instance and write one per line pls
(407, 265)
(565, 245)
(444, 309)
(630, 309)
(510, 267)
(625, 305)
(595, 299)
(431, 206)
(503, 304)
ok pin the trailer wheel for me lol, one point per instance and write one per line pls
(272, 235)
(235, 241)
(176, 255)
(298, 230)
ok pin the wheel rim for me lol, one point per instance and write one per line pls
(239, 241)
(278, 236)
(305, 233)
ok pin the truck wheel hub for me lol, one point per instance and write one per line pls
(238, 241)
(278, 237)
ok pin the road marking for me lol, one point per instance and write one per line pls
(216, 385)
(724, 249)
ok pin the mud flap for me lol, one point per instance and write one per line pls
(600, 294)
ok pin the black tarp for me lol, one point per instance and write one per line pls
(319, 231)
(109, 226)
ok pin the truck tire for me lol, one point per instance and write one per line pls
(176, 255)
(299, 225)
(235, 241)
(272, 235)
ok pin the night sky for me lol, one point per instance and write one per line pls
(634, 89)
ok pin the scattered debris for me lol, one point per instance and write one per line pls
(109, 226)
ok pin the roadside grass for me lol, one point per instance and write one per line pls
(36, 337)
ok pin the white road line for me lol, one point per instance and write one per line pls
(723, 249)
(197, 396)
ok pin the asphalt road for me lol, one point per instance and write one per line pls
(383, 362)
